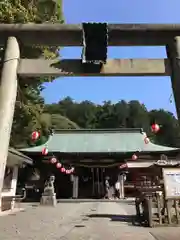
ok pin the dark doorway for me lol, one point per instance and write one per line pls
(98, 177)
(92, 181)
(85, 182)
(63, 185)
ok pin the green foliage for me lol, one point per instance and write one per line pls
(119, 115)
(57, 121)
(29, 106)
(30, 11)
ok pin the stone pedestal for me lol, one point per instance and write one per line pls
(48, 200)
(121, 190)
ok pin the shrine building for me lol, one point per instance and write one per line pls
(95, 155)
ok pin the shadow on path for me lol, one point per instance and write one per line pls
(114, 217)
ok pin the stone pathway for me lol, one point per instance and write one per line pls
(80, 221)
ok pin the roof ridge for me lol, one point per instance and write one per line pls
(130, 130)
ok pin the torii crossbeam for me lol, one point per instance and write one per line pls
(71, 34)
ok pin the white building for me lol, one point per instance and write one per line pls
(8, 195)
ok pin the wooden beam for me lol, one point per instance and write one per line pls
(71, 35)
(173, 53)
(114, 67)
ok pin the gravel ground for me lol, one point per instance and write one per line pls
(79, 221)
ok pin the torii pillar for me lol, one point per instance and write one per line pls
(173, 54)
(8, 93)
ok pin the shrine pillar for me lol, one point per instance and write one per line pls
(121, 183)
(8, 93)
(75, 186)
(173, 54)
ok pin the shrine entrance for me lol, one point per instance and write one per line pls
(92, 181)
(98, 180)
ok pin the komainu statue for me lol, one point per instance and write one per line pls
(49, 195)
(49, 186)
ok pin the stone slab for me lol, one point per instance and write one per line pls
(48, 200)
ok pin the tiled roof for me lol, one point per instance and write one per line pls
(98, 141)
(22, 157)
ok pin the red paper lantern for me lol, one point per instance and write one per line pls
(58, 165)
(123, 166)
(63, 169)
(35, 135)
(44, 151)
(68, 171)
(53, 160)
(146, 140)
(134, 157)
(155, 128)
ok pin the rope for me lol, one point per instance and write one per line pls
(97, 166)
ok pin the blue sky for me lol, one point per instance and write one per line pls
(153, 92)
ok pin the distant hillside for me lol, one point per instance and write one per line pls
(68, 114)
(57, 121)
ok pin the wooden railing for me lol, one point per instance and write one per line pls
(153, 210)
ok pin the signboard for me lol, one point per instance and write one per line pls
(172, 183)
(169, 163)
(162, 162)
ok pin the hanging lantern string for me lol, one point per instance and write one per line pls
(155, 128)
(60, 165)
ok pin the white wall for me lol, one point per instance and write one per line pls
(12, 191)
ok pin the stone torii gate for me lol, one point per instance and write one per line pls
(71, 35)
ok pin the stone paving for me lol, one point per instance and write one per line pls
(79, 221)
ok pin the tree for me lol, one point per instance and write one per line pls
(84, 114)
(57, 121)
(138, 116)
(122, 112)
(106, 116)
(28, 11)
(29, 106)
(169, 134)
(118, 115)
